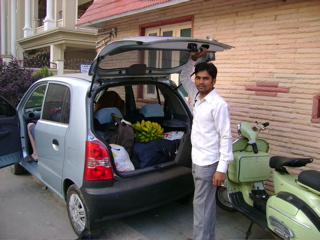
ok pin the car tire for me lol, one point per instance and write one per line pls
(77, 210)
(17, 169)
(223, 199)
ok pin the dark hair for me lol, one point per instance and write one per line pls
(210, 67)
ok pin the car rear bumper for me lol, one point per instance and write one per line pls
(139, 193)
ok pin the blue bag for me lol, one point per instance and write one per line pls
(154, 152)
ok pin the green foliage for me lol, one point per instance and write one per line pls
(14, 80)
(44, 72)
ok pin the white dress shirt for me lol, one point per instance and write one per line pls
(211, 133)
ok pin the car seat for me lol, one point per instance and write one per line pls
(104, 115)
(152, 110)
(110, 99)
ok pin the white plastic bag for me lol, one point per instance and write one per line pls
(173, 135)
(121, 158)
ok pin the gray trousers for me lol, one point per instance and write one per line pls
(204, 202)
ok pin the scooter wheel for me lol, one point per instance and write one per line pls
(223, 199)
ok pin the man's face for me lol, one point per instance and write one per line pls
(204, 82)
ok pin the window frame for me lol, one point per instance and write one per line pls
(62, 108)
(315, 116)
(176, 29)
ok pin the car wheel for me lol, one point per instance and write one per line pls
(223, 199)
(17, 169)
(77, 210)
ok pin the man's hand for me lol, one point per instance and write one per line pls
(218, 178)
(196, 55)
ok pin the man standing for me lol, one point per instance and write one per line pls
(211, 141)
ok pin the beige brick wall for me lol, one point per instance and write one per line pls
(277, 44)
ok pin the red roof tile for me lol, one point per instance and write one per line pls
(101, 9)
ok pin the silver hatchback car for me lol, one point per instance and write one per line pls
(76, 160)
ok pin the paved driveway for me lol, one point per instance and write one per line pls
(30, 211)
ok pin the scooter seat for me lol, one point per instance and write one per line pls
(310, 178)
(278, 162)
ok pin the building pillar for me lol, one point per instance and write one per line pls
(57, 56)
(70, 13)
(60, 66)
(3, 28)
(27, 30)
(13, 28)
(49, 21)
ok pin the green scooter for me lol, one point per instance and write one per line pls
(293, 211)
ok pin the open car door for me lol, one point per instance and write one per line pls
(10, 150)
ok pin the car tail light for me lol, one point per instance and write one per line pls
(97, 162)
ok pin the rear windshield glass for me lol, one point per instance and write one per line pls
(131, 100)
(154, 59)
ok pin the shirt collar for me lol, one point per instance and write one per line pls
(210, 96)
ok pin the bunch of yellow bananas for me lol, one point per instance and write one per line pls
(148, 131)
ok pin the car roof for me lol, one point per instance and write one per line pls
(83, 76)
(73, 79)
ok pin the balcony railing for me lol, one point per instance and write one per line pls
(72, 64)
(38, 63)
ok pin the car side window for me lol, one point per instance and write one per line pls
(36, 98)
(6, 110)
(57, 103)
